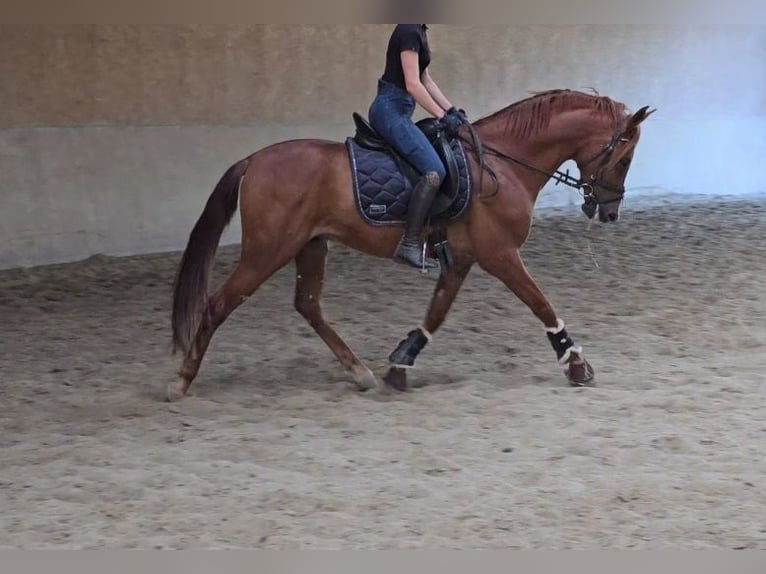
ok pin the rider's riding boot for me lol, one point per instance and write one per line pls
(410, 248)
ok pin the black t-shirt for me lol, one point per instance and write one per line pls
(406, 37)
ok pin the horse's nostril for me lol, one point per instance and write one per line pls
(613, 217)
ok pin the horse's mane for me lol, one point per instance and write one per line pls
(533, 114)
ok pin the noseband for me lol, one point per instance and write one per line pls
(591, 201)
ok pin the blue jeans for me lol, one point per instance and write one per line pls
(391, 115)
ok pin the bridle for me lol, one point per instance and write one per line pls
(591, 201)
(587, 188)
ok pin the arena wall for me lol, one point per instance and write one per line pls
(112, 136)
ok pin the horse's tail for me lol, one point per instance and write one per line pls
(190, 297)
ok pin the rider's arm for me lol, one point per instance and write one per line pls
(435, 91)
(415, 86)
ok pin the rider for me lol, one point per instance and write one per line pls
(405, 82)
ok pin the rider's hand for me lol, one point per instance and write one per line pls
(459, 113)
(450, 123)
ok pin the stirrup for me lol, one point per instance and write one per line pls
(422, 262)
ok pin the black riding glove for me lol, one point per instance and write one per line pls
(453, 111)
(450, 123)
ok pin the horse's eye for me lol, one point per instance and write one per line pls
(625, 162)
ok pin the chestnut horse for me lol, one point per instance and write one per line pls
(295, 196)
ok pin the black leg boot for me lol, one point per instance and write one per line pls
(410, 248)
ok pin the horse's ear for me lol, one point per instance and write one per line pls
(639, 117)
(636, 120)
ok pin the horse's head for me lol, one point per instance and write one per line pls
(604, 167)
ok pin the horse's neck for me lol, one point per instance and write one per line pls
(545, 149)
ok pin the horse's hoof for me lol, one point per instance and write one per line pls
(396, 379)
(580, 373)
(364, 379)
(176, 392)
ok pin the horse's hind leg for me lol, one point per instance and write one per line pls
(310, 273)
(238, 287)
(407, 352)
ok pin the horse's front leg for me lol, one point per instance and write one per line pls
(507, 266)
(407, 352)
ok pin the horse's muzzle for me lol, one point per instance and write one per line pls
(589, 208)
(608, 215)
